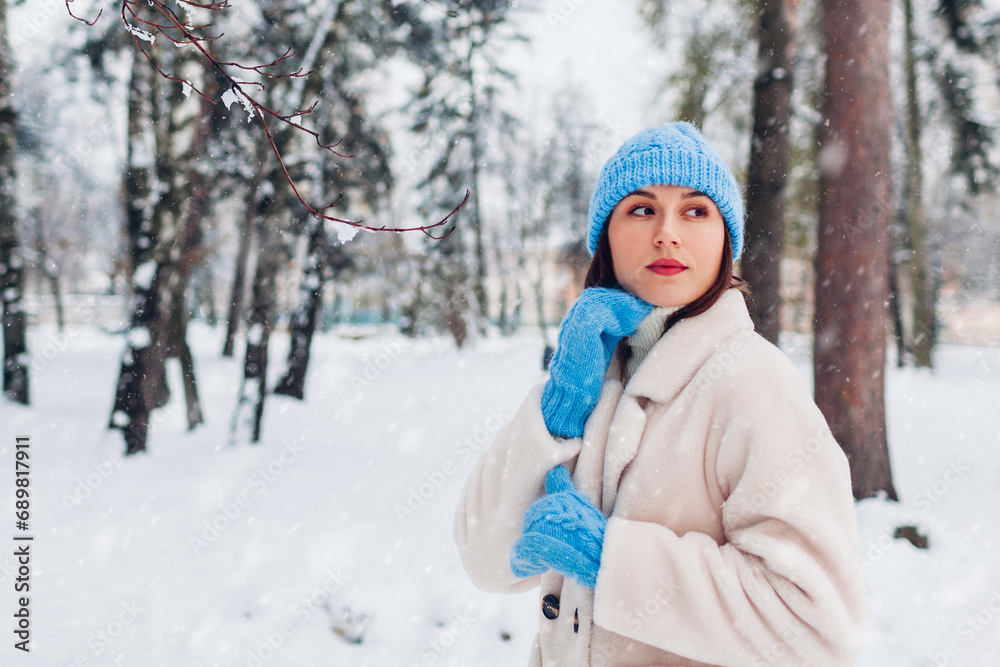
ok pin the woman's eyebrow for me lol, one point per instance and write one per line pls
(693, 193)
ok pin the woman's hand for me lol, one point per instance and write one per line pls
(589, 334)
(562, 531)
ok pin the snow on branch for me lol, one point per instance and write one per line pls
(181, 33)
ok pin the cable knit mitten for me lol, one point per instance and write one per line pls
(562, 531)
(589, 334)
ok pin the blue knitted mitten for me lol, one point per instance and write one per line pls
(562, 531)
(589, 334)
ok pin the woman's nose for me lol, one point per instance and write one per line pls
(666, 232)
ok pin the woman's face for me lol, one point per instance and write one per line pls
(666, 244)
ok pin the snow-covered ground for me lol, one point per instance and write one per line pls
(330, 542)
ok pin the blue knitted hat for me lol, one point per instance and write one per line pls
(671, 154)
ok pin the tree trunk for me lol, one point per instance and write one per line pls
(853, 255)
(141, 385)
(505, 318)
(761, 264)
(126, 414)
(923, 298)
(182, 351)
(304, 321)
(897, 317)
(479, 279)
(52, 276)
(253, 388)
(205, 292)
(414, 308)
(260, 323)
(15, 349)
(57, 299)
(141, 382)
(476, 139)
(197, 185)
(454, 286)
(165, 235)
(239, 283)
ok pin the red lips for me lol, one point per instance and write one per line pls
(666, 267)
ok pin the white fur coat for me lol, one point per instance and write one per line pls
(732, 536)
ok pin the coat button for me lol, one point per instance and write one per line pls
(550, 606)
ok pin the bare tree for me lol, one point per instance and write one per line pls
(166, 228)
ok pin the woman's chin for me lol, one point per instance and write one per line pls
(660, 300)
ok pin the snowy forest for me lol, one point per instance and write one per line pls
(274, 274)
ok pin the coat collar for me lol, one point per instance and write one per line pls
(673, 361)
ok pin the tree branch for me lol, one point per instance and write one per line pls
(173, 24)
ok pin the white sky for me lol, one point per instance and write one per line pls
(601, 45)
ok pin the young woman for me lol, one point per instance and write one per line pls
(672, 488)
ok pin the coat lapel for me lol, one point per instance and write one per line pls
(623, 442)
(668, 367)
(678, 355)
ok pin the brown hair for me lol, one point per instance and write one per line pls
(602, 274)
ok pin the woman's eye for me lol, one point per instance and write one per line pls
(642, 209)
(699, 211)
